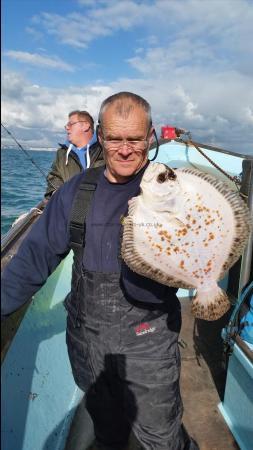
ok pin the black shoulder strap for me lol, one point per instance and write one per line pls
(80, 207)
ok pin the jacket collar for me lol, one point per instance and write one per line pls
(92, 141)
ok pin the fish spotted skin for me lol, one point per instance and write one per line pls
(186, 229)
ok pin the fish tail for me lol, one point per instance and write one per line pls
(210, 304)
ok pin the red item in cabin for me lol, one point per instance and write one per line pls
(168, 132)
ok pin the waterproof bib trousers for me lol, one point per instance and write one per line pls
(126, 359)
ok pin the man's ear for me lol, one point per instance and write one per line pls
(155, 139)
(151, 136)
(98, 134)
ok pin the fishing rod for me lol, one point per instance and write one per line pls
(29, 157)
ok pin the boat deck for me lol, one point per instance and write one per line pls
(202, 387)
(203, 381)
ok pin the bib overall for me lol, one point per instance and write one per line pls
(124, 355)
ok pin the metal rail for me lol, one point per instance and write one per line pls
(247, 254)
(162, 141)
(17, 230)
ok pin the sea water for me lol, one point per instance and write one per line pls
(22, 184)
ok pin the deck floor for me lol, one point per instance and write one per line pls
(202, 388)
(203, 381)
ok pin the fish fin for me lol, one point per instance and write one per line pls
(210, 304)
(132, 203)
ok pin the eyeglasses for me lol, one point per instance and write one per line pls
(133, 144)
(70, 124)
(116, 144)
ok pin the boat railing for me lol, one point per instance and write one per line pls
(9, 245)
(190, 143)
(17, 230)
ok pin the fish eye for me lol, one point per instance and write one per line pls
(161, 178)
(168, 174)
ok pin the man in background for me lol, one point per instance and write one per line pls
(82, 152)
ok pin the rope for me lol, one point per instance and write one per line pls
(236, 180)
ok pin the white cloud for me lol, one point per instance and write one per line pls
(249, 115)
(78, 30)
(213, 110)
(190, 108)
(88, 2)
(35, 59)
(37, 114)
(220, 22)
(37, 35)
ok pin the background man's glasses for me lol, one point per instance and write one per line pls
(70, 124)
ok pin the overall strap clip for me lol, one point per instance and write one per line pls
(81, 204)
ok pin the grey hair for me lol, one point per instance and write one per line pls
(124, 107)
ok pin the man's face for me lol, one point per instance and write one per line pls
(78, 130)
(125, 158)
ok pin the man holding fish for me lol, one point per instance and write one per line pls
(122, 328)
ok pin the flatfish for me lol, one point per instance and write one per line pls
(186, 229)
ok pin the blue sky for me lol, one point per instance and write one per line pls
(191, 59)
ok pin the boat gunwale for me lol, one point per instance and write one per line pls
(244, 347)
(17, 230)
(190, 143)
